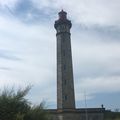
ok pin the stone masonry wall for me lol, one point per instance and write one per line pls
(78, 115)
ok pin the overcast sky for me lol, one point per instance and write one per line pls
(28, 49)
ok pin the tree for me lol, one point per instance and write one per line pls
(14, 106)
(37, 113)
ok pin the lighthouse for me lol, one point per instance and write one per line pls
(65, 80)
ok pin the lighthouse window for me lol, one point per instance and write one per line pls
(64, 53)
(64, 67)
(65, 97)
(65, 82)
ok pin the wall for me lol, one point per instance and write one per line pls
(78, 114)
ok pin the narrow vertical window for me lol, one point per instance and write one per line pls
(65, 97)
(63, 52)
(64, 67)
(65, 82)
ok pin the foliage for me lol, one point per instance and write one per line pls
(36, 112)
(14, 106)
(112, 116)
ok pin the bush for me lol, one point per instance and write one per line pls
(13, 106)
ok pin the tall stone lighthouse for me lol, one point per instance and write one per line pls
(65, 83)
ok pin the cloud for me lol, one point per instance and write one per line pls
(11, 83)
(88, 13)
(8, 55)
(28, 34)
(26, 12)
(5, 68)
(96, 90)
(10, 3)
(100, 12)
(100, 84)
(29, 43)
(104, 33)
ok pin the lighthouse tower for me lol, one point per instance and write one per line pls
(65, 82)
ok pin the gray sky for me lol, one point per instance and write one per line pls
(28, 49)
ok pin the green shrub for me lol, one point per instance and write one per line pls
(14, 106)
